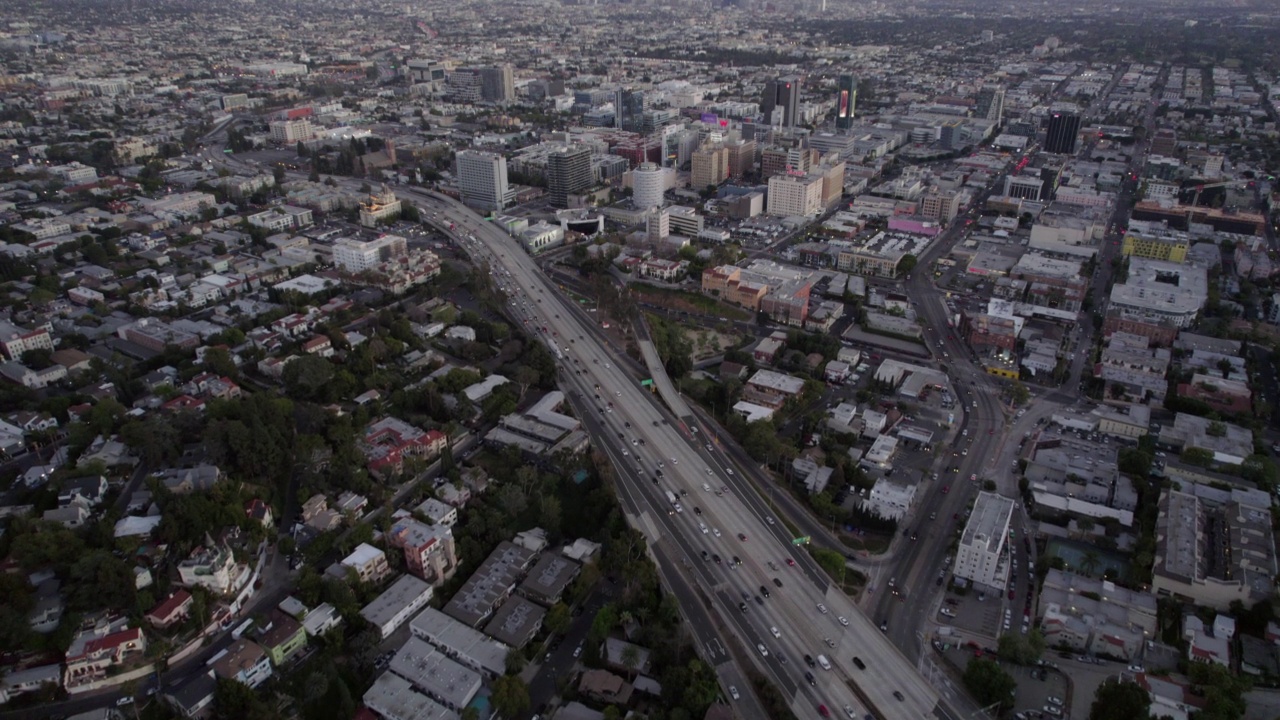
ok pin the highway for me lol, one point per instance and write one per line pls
(747, 551)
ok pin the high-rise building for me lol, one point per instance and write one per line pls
(990, 104)
(742, 157)
(795, 193)
(498, 84)
(628, 110)
(648, 185)
(1064, 130)
(482, 179)
(709, 166)
(783, 93)
(846, 101)
(568, 173)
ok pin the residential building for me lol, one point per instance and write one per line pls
(1096, 616)
(1229, 443)
(435, 674)
(979, 558)
(283, 638)
(96, 650)
(429, 551)
(516, 622)
(356, 256)
(605, 687)
(1156, 244)
(1161, 291)
(171, 611)
(795, 194)
(194, 696)
(288, 132)
(394, 698)
(368, 563)
(1214, 546)
(406, 596)
(245, 662)
(386, 444)
(771, 389)
(14, 340)
(890, 498)
(709, 166)
(549, 578)
(461, 642)
(490, 585)
(210, 566)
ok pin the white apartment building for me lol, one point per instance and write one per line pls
(482, 180)
(355, 256)
(982, 546)
(1161, 291)
(890, 499)
(795, 195)
(291, 131)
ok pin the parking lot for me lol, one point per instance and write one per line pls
(1038, 687)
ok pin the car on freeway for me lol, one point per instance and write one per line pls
(733, 692)
(822, 608)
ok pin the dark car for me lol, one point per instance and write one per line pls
(716, 558)
(742, 607)
(697, 510)
(858, 661)
(898, 695)
(809, 676)
(777, 582)
(808, 660)
(764, 591)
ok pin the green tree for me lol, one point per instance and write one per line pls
(510, 696)
(1198, 456)
(1021, 649)
(989, 683)
(558, 618)
(1120, 700)
(1222, 690)
(307, 377)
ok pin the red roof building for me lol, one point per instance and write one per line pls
(173, 610)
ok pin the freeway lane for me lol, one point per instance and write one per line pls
(684, 462)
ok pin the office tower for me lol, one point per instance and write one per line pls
(482, 180)
(782, 93)
(628, 110)
(497, 84)
(568, 173)
(846, 101)
(742, 157)
(709, 167)
(990, 104)
(1064, 129)
(648, 185)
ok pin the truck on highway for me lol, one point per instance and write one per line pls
(671, 497)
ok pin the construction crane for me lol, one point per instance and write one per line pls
(1230, 183)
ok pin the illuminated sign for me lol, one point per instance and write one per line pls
(842, 105)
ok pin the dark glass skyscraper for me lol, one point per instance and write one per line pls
(628, 109)
(846, 101)
(568, 173)
(784, 93)
(1064, 129)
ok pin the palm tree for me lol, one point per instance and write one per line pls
(1089, 562)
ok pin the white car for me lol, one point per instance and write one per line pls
(1054, 701)
(715, 531)
(577, 651)
(764, 652)
(843, 621)
(822, 608)
(948, 612)
(733, 692)
(774, 630)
